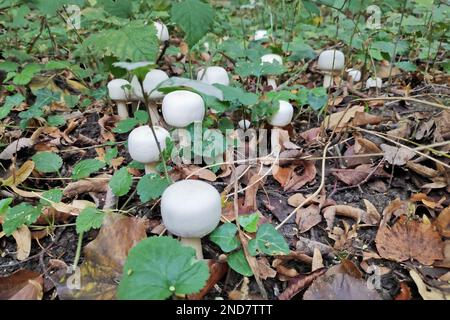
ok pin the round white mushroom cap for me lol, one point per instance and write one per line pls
(118, 91)
(283, 116)
(325, 62)
(271, 58)
(161, 31)
(354, 74)
(181, 108)
(142, 144)
(213, 75)
(374, 83)
(151, 81)
(244, 124)
(191, 208)
(260, 35)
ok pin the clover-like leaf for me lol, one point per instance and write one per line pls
(225, 237)
(249, 222)
(270, 241)
(158, 267)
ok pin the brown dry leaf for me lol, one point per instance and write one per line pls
(343, 237)
(282, 174)
(357, 175)
(409, 239)
(397, 156)
(20, 175)
(9, 152)
(307, 246)
(21, 285)
(405, 292)
(442, 126)
(203, 174)
(370, 269)
(107, 123)
(363, 146)
(403, 130)
(104, 259)
(264, 269)
(23, 240)
(340, 120)
(443, 222)
(308, 217)
(434, 185)
(317, 262)
(364, 118)
(330, 212)
(296, 199)
(371, 215)
(217, 270)
(250, 193)
(396, 208)
(310, 136)
(97, 184)
(336, 284)
(299, 283)
(297, 181)
(422, 170)
(428, 292)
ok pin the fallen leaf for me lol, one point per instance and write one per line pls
(20, 175)
(97, 184)
(397, 156)
(23, 240)
(434, 185)
(307, 246)
(330, 212)
(409, 239)
(217, 270)
(428, 292)
(343, 237)
(107, 123)
(357, 175)
(405, 292)
(310, 136)
(297, 181)
(422, 170)
(308, 217)
(14, 147)
(264, 269)
(317, 262)
(339, 120)
(364, 118)
(298, 284)
(443, 222)
(371, 215)
(21, 285)
(203, 174)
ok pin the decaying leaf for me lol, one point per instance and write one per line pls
(443, 222)
(295, 180)
(357, 175)
(307, 246)
(21, 285)
(19, 175)
(330, 212)
(371, 215)
(317, 262)
(299, 283)
(14, 147)
(409, 239)
(364, 118)
(427, 292)
(98, 184)
(405, 292)
(308, 217)
(203, 174)
(23, 240)
(339, 120)
(264, 269)
(397, 156)
(422, 170)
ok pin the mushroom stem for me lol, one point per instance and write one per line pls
(275, 141)
(122, 110)
(194, 243)
(153, 112)
(328, 80)
(150, 168)
(271, 82)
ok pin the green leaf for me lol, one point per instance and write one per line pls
(9, 66)
(56, 121)
(406, 66)
(47, 162)
(270, 241)
(19, 215)
(238, 263)
(121, 182)
(194, 17)
(53, 195)
(249, 222)
(126, 125)
(135, 42)
(111, 154)
(89, 218)
(317, 98)
(233, 94)
(151, 186)
(10, 103)
(253, 247)
(85, 168)
(4, 205)
(225, 237)
(50, 7)
(255, 68)
(158, 267)
(141, 116)
(122, 9)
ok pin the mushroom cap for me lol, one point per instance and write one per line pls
(261, 35)
(374, 83)
(244, 124)
(271, 58)
(283, 116)
(325, 62)
(152, 79)
(181, 108)
(355, 74)
(161, 31)
(213, 75)
(191, 208)
(115, 90)
(142, 145)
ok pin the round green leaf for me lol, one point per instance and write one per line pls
(84, 168)
(238, 263)
(225, 237)
(270, 241)
(121, 182)
(47, 162)
(158, 267)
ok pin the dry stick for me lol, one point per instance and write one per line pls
(402, 145)
(315, 194)
(437, 105)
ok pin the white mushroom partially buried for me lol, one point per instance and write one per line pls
(191, 209)
(119, 91)
(280, 119)
(143, 148)
(354, 75)
(161, 31)
(374, 83)
(330, 62)
(213, 75)
(181, 108)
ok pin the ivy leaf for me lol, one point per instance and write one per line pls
(194, 17)
(249, 222)
(47, 162)
(85, 168)
(19, 215)
(10, 103)
(238, 263)
(270, 241)
(53, 195)
(89, 218)
(225, 237)
(135, 42)
(151, 186)
(126, 125)
(4, 205)
(121, 182)
(158, 267)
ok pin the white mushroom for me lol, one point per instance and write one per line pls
(279, 119)
(374, 83)
(244, 124)
(118, 90)
(181, 108)
(260, 35)
(143, 148)
(272, 58)
(213, 75)
(161, 31)
(354, 74)
(330, 62)
(191, 209)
